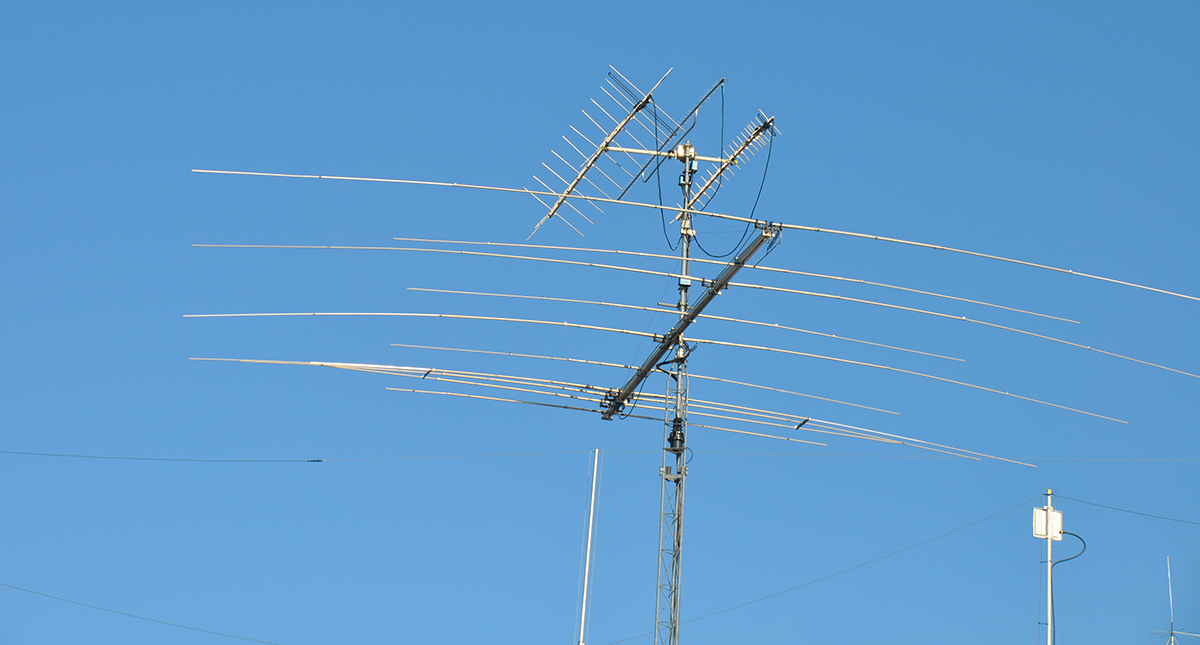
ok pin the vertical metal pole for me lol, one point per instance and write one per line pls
(1049, 573)
(587, 558)
(670, 532)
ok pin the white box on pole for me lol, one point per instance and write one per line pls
(1047, 523)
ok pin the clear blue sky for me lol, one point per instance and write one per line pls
(1059, 133)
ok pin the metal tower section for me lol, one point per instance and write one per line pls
(670, 356)
(674, 475)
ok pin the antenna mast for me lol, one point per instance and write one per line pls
(674, 475)
(587, 558)
(674, 464)
(1047, 525)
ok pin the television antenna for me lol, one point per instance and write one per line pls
(620, 153)
(1171, 633)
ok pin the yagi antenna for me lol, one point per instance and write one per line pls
(626, 139)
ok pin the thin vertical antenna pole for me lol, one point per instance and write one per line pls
(1049, 573)
(587, 558)
(1171, 599)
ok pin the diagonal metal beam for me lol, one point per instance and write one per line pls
(613, 405)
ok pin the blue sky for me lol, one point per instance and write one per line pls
(1055, 133)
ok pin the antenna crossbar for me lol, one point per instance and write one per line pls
(767, 233)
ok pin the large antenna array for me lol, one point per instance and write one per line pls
(611, 162)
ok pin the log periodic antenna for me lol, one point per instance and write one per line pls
(602, 150)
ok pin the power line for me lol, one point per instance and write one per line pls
(129, 615)
(282, 461)
(1125, 510)
(123, 458)
(846, 570)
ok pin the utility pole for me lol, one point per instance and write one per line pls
(1047, 525)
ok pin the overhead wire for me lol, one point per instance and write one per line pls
(1125, 510)
(837, 573)
(139, 617)
(282, 461)
(177, 459)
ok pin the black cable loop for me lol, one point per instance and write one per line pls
(721, 147)
(766, 166)
(658, 176)
(633, 400)
(1074, 556)
(745, 232)
(1054, 623)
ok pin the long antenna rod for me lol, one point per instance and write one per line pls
(757, 267)
(580, 392)
(587, 559)
(744, 220)
(744, 285)
(632, 367)
(644, 334)
(661, 310)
